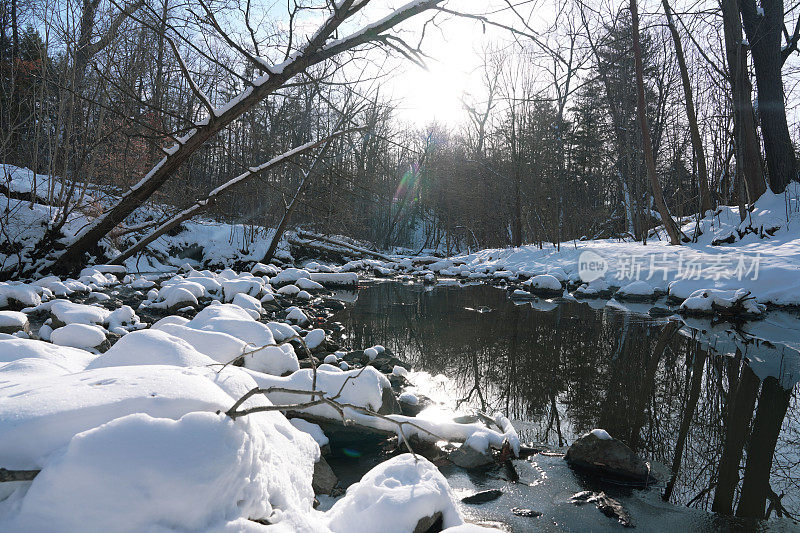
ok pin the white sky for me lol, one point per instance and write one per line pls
(455, 53)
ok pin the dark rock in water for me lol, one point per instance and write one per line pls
(660, 312)
(413, 409)
(607, 505)
(483, 496)
(398, 382)
(430, 524)
(598, 452)
(529, 513)
(324, 480)
(469, 457)
(272, 306)
(389, 403)
(332, 303)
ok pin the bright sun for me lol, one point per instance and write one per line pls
(436, 93)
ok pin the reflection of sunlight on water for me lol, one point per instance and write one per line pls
(442, 390)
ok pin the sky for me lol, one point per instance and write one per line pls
(455, 56)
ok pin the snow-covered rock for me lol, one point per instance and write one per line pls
(314, 338)
(199, 472)
(297, 316)
(250, 286)
(78, 336)
(636, 291)
(307, 284)
(289, 290)
(66, 312)
(11, 321)
(248, 303)
(289, 275)
(394, 497)
(710, 302)
(543, 285)
(275, 360)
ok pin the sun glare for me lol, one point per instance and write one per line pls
(435, 93)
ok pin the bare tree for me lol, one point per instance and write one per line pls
(691, 115)
(650, 163)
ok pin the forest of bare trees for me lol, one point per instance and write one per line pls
(602, 122)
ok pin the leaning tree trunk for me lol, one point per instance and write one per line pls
(287, 215)
(764, 35)
(748, 148)
(691, 115)
(647, 143)
(202, 205)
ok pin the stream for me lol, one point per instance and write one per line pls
(562, 367)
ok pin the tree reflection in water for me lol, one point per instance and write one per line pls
(729, 439)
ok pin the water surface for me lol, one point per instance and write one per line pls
(686, 397)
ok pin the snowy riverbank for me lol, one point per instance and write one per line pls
(763, 257)
(147, 434)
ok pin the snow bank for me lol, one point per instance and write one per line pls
(139, 473)
(335, 279)
(763, 258)
(40, 415)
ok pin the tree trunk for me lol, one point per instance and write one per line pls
(694, 130)
(293, 205)
(764, 34)
(647, 144)
(748, 149)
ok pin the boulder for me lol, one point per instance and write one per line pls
(597, 451)
(429, 524)
(323, 480)
(13, 321)
(468, 457)
(389, 403)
